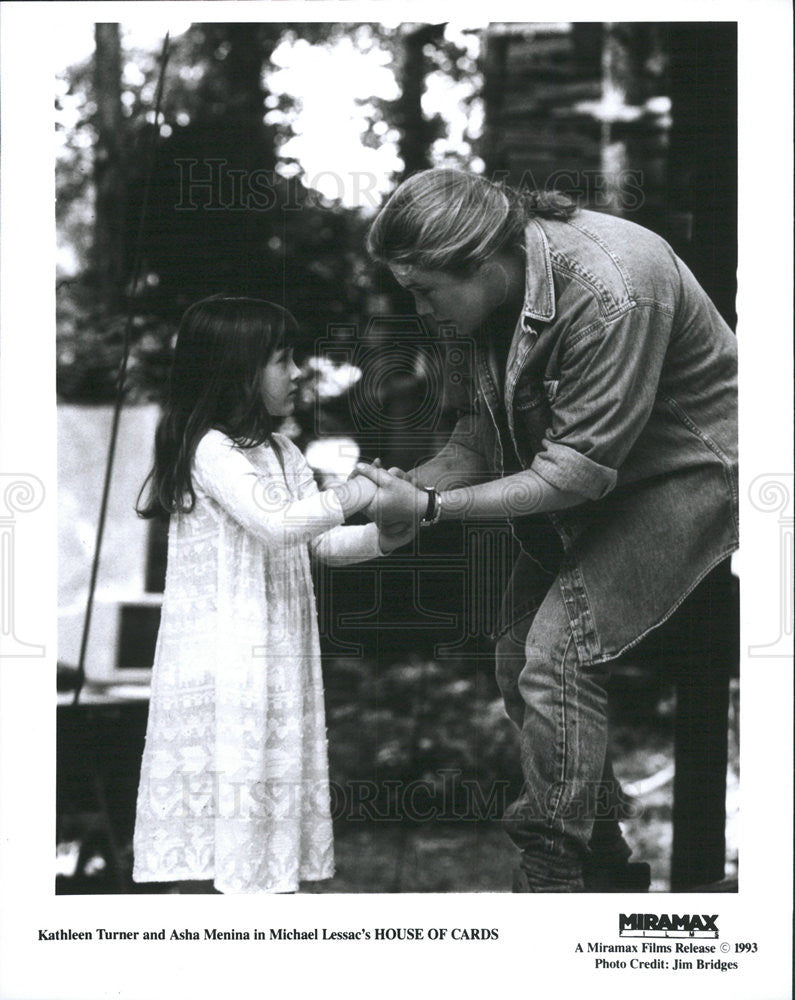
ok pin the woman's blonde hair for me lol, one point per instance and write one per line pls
(451, 220)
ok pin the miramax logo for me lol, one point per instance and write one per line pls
(670, 925)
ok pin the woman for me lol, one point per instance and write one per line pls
(605, 430)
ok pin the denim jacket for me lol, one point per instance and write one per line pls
(620, 385)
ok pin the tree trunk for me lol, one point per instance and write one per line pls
(703, 153)
(415, 129)
(234, 93)
(493, 64)
(109, 178)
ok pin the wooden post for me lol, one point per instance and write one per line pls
(703, 153)
(701, 735)
(701, 754)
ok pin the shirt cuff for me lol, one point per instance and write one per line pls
(568, 470)
(324, 510)
(350, 543)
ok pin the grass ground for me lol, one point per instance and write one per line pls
(436, 857)
(464, 856)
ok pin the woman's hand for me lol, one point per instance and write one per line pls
(394, 536)
(396, 501)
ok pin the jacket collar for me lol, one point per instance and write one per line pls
(539, 297)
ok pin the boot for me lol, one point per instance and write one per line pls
(626, 876)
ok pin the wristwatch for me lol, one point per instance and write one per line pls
(434, 509)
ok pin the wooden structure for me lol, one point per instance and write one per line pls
(637, 119)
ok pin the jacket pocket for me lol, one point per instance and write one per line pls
(532, 416)
(528, 396)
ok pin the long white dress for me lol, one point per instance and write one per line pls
(234, 778)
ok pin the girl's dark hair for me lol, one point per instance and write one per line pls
(452, 220)
(223, 344)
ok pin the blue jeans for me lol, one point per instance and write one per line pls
(571, 802)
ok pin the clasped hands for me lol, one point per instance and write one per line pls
(396, 506)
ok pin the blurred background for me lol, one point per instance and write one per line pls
(275, 146)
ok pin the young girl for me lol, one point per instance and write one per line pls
(234, 780)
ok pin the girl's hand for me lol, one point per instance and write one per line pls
(393, 471)
(355, 494)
